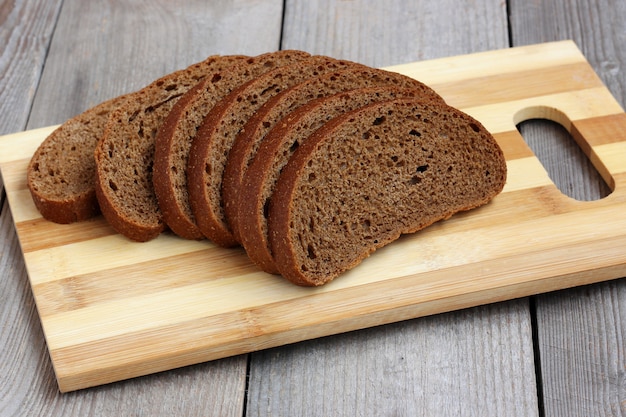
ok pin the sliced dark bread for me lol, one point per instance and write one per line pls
(372, 174)
(125, 153)
(274, 152)
(61, 173)
(175, 136)
(211, 146)
(255, 129)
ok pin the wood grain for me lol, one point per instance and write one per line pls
(390, 32)
(100, 338)
(58, 59)
(581, 366)
(25, 34)
(117, 47)
(450, 364)
(580, 331)
(26, 28)
(386, 33)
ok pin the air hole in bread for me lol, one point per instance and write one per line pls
(378, 121)
(474, 127)
(268, 89)
(311, 252)
(422, 168)
(216, 78)
(414, 132)
(171, 87)
(113, 185)
(266, 208)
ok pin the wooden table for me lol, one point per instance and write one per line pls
(561, 353)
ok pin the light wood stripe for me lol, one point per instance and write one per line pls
(562, 108)
(27, 144)
(488, 63)
(518, 85)
(103, 253)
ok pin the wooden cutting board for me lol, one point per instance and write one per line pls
(112, 309)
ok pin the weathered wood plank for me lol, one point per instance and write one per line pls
(99, 50)
(580, 331)
(26, 28)
(471, 362)
(382, 33)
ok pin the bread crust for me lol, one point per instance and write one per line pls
(292, 131)
(61, 172)
(125, 153)
(459, 167)
(173, 141)
(211, 146)
(254, 131)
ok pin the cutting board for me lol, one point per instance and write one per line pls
(113, 309)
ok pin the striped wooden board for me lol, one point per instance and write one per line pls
(112, 309)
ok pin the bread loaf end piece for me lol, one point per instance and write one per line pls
(61, 173)
(373, 174)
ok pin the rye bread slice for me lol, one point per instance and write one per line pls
(255, 129)
(211, 146)
(275, 151)
(61, 172)
(372, 174)
(175, 136)
(125, 153)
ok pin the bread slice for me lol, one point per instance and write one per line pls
(255, 129)
(61, 172)
(211, 146)
(372, 174)
(125, 153)
(175, 136)
(275, 151)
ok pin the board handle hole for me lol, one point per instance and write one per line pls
(547, 132)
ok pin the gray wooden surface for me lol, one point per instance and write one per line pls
(559, 354)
